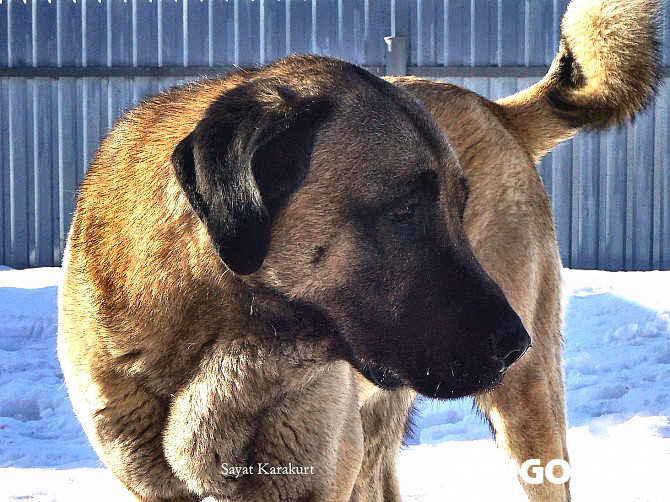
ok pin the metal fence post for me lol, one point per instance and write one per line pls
(396, 56)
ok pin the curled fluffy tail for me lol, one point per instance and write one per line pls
(607, 69)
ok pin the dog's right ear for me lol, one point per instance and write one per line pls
(247, 154)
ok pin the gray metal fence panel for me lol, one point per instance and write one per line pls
(69, 69)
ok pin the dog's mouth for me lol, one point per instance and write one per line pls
(381, 376)
(434, 384)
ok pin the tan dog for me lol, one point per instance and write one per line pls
(606, 70)
(248, 254)
(239, 247)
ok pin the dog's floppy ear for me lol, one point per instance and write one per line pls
(248, 153)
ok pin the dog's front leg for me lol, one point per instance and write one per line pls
(384, 416)
(210, 422)
(527, 413)
(253, 426)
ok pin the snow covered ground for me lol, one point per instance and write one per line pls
(617, 363)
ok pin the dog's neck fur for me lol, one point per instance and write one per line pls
(293, 326)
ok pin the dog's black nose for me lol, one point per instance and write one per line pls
(510, 347)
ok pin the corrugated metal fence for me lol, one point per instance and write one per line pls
(69, 68)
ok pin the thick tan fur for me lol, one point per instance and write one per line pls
(323, 411)
(122, 389)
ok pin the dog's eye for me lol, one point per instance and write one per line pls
(405, 214)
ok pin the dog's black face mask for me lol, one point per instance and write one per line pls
(335, 189)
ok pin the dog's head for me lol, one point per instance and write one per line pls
(335, 189)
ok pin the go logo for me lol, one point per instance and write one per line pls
(531, 471)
